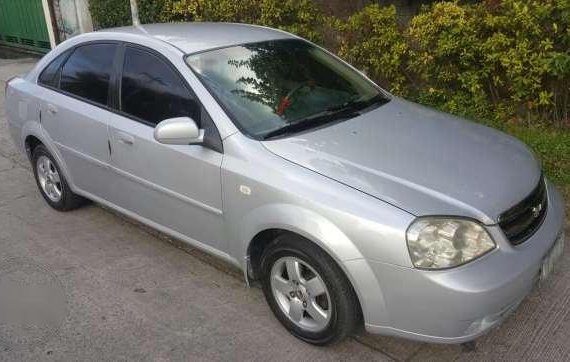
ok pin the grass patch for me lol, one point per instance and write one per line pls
(552, 145)
(553, 148)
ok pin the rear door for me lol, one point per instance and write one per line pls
(75, 112)
(175, 186)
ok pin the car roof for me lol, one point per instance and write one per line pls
(197, 37)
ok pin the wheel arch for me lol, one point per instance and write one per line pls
(263, 224)
(33, 135)
(30, 144)
(323, 233)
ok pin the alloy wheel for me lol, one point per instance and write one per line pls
(49, 179)
(301, 294)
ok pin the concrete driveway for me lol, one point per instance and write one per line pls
(133, 294)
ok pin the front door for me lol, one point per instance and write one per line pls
(175, 186)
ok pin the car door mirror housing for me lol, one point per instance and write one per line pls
(178, 131)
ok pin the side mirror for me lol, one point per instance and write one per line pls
(178, 131)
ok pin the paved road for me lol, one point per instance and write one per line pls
(134, 295)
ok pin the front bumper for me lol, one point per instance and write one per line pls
(460, 304)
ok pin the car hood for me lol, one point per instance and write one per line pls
(420, 160)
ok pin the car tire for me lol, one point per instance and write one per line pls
(51, 182)
(297, 299)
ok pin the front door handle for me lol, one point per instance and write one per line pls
(51, 109)
(125, 138)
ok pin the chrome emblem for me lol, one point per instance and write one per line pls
(536, 210)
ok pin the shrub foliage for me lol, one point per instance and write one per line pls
(494, 59)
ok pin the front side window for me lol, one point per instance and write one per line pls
(152, 91)
(273, 87)
(87, 72)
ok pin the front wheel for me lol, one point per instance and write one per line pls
(307, 291)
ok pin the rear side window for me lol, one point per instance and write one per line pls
(50, 74)
(87, 72)
(152, 91)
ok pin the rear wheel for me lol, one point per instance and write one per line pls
(307, 291)
(52, 183)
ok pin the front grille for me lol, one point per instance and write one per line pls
(521, 221)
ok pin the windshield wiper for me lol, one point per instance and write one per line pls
(357, 105)
(315, 120)
(346, 110)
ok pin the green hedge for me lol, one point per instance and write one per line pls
(113, 13)
(503, 60)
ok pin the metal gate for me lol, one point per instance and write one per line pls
(23, 25)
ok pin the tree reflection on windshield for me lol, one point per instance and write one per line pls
(266, 85)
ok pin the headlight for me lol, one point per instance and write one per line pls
(437, 243)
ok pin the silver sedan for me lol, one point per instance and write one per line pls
(349, 205)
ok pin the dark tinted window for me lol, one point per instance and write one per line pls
(152, 91)
(49, 75)
(88, 71)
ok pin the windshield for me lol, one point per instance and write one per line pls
(269, 87)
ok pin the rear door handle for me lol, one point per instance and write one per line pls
(125, 138)
(51, 109)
